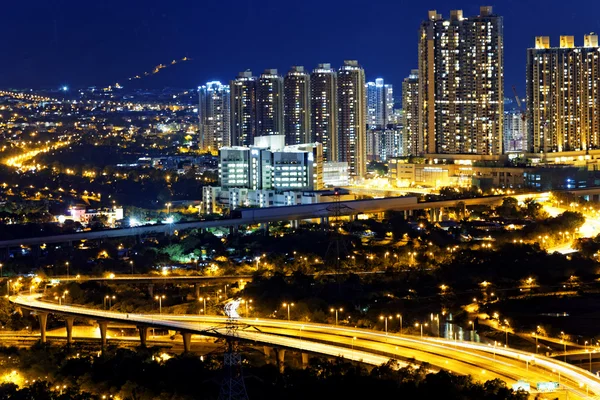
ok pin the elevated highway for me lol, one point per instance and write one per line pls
(482, 361)
(253, 216)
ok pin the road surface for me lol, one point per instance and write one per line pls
(482, 361)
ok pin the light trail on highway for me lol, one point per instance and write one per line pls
(483, 362)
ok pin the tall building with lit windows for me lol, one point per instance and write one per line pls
(411, 118)
(269, 103)
(380, 104)
(243, 109)
(296, 88)
(214, 116)
(324, 111)
(563, 95)
(352, 117)
(461, 83)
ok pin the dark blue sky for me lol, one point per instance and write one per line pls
(85, 43)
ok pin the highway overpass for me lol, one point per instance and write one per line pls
(482, 361)
(252, 216)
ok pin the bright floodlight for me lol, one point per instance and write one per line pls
(133, 222)
(65, 88)
(169, 220)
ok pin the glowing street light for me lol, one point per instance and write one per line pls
(417, 324)
(160, 299)
(288, 305)
(203, 299)
(385, 319)
(336, 313)
(399, 316)
(109, 299)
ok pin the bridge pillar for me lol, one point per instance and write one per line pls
(69, 325)
(267, 351)
(43, 317)
(103, 325)
(596, 197)
(197, 290)
(441, 214)
(280, 353)
(410, 213)
(187, 341)
(151, 289)
(143, 335)
(305, 360)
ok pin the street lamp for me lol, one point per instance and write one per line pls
(168, 208)
(417, 324)
(246, 302)
(1, 265)
(131, 263)
(203, 299)
(288, 305)
(399, 316)
(109, 299)
(385, 319)
(336, 313)
(67, 265)
(534, 334)
(160, 299)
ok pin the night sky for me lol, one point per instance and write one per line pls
(86, 43)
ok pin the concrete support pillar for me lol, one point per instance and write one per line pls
(143, 335)
(441, 214)
(267, 351)
(410, 213)
(43, 317)
(103, 325)
(151, 289)
(305, 360)
(280, 353)
(187, 341)
(69, 325)
(197, 290)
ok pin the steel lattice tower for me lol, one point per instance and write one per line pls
(232, 387)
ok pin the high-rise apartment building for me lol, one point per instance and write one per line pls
(296, 87)
(243, 109)
(388, 104)
(375, 104)
(515, 131)
(352, 119)
(214, 116)
(461, 83)
(563, 95)
(380, 104)
(269, 103)
(324, 110)
(412, 134)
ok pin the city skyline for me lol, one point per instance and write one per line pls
(134, 48)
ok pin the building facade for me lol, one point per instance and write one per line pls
(515, 131)
(324, 110)
(269, 103)
(461, 83)
(214, 116)
(380, 104)
(296, 86)
(352, 122)
(563, 95)
(413, 135)
(243, 109)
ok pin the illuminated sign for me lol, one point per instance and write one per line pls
(547, 386)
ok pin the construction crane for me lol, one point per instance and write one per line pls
(519, 104)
